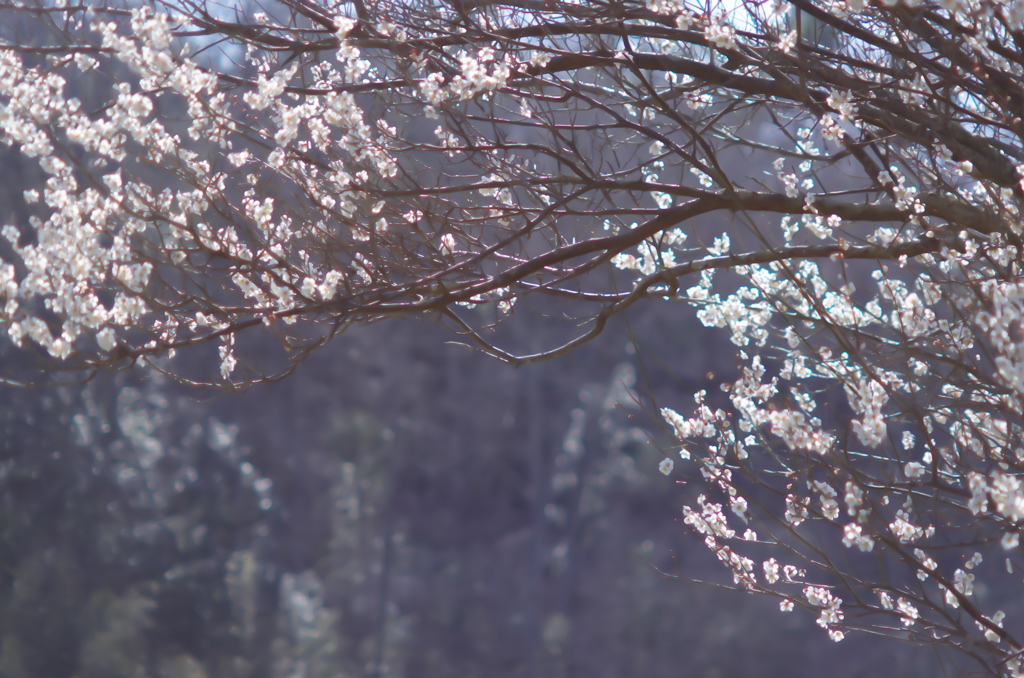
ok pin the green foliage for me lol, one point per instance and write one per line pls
(114, 643)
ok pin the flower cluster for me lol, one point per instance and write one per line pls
(843, 205)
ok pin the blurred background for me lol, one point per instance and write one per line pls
(400, 506)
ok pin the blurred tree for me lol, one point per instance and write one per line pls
(121, 508)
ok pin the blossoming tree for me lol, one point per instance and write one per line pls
(302, 167)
